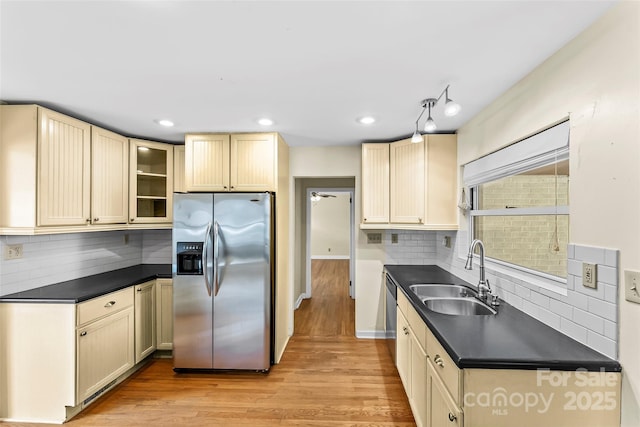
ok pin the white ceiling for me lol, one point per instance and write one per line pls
(311, 66)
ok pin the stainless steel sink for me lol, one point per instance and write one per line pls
(458, 306)
(438, 290)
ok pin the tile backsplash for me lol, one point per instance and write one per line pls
(55, 258)
(412, 247)
(589, 316)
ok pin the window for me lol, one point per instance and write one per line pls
(520, 203)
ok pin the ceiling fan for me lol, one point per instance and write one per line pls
(315, 196)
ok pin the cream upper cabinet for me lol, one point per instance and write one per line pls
(64, 175)
(145, 319)
(231, 162)
(150, 181)
(207, 162)
(441, 156)
(409, 185)
(109, 177)
(253, 162)
(178, 169)
(406, 183)
(375, 183)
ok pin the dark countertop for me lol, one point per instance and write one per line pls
(510, 339)
(85, 288)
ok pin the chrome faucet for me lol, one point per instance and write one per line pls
(484, 288)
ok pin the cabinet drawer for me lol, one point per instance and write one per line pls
(417, 326)
(102, 306)
(444, 367)
(403, 302)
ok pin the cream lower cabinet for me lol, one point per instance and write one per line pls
(145, 319)
(441, 394)
(164, 314)
(411, 358)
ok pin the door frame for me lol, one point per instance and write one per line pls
(352, 282)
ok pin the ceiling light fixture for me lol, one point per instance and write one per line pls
(366, 120)
(265, 122)
(165, 123)
(450, 109)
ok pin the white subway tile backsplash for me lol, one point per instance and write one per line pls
(58, 257)
(578, 300)
(549, 318)
(590, 254)
(575, 331)
(574, 267)
(561, 308)
(610, 293)
(602, 344)
(611, 258)
(608, 275)
(588, 320)
(611, 330)
(603, 309)
(540, 300)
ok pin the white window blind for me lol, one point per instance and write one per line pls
(542, 148)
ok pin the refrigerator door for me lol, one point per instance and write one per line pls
(242, 281)
(192, 300)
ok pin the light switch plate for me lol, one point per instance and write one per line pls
(632, 286)
(373, 238)
(589, 275)
(13, 251)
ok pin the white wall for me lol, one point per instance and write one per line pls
(595, 80)
(331, 226)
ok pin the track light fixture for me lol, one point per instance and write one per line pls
(450, 109)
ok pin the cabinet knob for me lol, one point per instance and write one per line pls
(224, 186)
(88, 220)
(365, 219)
(82, 334)
(132, 219)
(139, 289)
(96, 219)
(232, 187)
(438, 361)
(452, 417)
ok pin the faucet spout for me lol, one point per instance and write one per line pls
(484, 288)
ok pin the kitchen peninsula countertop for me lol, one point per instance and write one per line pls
(85, 288)
(510, 339)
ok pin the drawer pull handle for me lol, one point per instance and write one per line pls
(139, 289)
(110, 304)
(452, 417)
(438, 361)
(82, 334)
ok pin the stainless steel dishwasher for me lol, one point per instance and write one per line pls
(390, 315)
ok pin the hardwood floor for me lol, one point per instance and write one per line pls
(326, 377)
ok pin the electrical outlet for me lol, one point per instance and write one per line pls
(589, 279)
(446, 241)
(632, 286)
(374, 238)
(13, 251)
(394, 238)
(126, 238)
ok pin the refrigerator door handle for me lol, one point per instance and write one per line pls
(216, 249)
(207, 236)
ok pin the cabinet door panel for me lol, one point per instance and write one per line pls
(441, 181)
(104, 351)
(164, 314)
(375, 183)
(253, 162)
(441, 411)
(403, 349)
(207, 162)
(150, 182)
(145, 309)
(109, 177)
(64, 170)
(407, 182)
(418, 383)
(178, 169)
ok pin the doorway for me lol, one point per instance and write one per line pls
(324, 256)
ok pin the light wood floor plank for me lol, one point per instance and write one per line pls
(326, 378)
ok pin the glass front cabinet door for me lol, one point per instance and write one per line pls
(151, 180)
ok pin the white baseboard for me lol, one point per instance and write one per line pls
(376, 335)
(330, 257)
(299, 300)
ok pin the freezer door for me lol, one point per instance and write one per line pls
(242, 281)
(192, 300)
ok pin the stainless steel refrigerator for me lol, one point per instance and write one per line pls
(223, 281)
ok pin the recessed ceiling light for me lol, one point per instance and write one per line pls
(366, 120)
(164, 122)
(265, 122)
